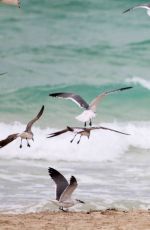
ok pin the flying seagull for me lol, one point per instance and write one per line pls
(27, 134)
(145, 6)
(11, 2)
(82, 132)
(64, 190)
(89, 109)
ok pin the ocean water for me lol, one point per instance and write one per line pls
(85, 47)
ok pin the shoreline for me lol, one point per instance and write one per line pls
(109, 219)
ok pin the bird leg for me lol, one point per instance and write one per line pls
(61, 208)
(20, 144)
(90, 122)
(74, 137)
(79, 140)
(27, 142)
(84, 124)
(32, 139)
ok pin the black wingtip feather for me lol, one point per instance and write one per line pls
(129, 87)
(73, 180)
(53, 172)
(70, 129)
(42, 107)
(126, 11)
(52, 135)
(55, 94)
(41, 111)
(50, 171)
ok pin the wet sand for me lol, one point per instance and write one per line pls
(109, 219)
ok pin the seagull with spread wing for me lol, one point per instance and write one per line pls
(145, 6)
(64, 190)
(89, 109)
(27, 134)
(82, 132)
(11, 2)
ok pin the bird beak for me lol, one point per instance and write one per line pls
(80, 201)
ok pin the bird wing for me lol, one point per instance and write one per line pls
(7, 140)
(68, 129)
(73, 97)
(60, 181)
(66, 195)
(146, 6)
(94, 103)
(113, 130)
(29, 125)
(57, 133)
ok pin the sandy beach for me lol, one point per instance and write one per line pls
(109, 219)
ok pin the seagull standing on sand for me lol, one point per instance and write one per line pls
(89, 109)
(82, 132)
(64, 190)
(11, 2)
(27, 134)
(145, 6)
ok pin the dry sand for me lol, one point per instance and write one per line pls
(109, 219)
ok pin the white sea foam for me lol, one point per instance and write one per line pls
(102, 145)
(138, 80)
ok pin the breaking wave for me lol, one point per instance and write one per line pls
(140, 81)
(102, 145)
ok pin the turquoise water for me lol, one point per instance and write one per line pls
(81, 46)
(86, 47)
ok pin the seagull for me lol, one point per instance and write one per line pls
(82, 132)
(64, 190)
(11, 2)
(27, 134)
(89, 109)
(145, 6)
